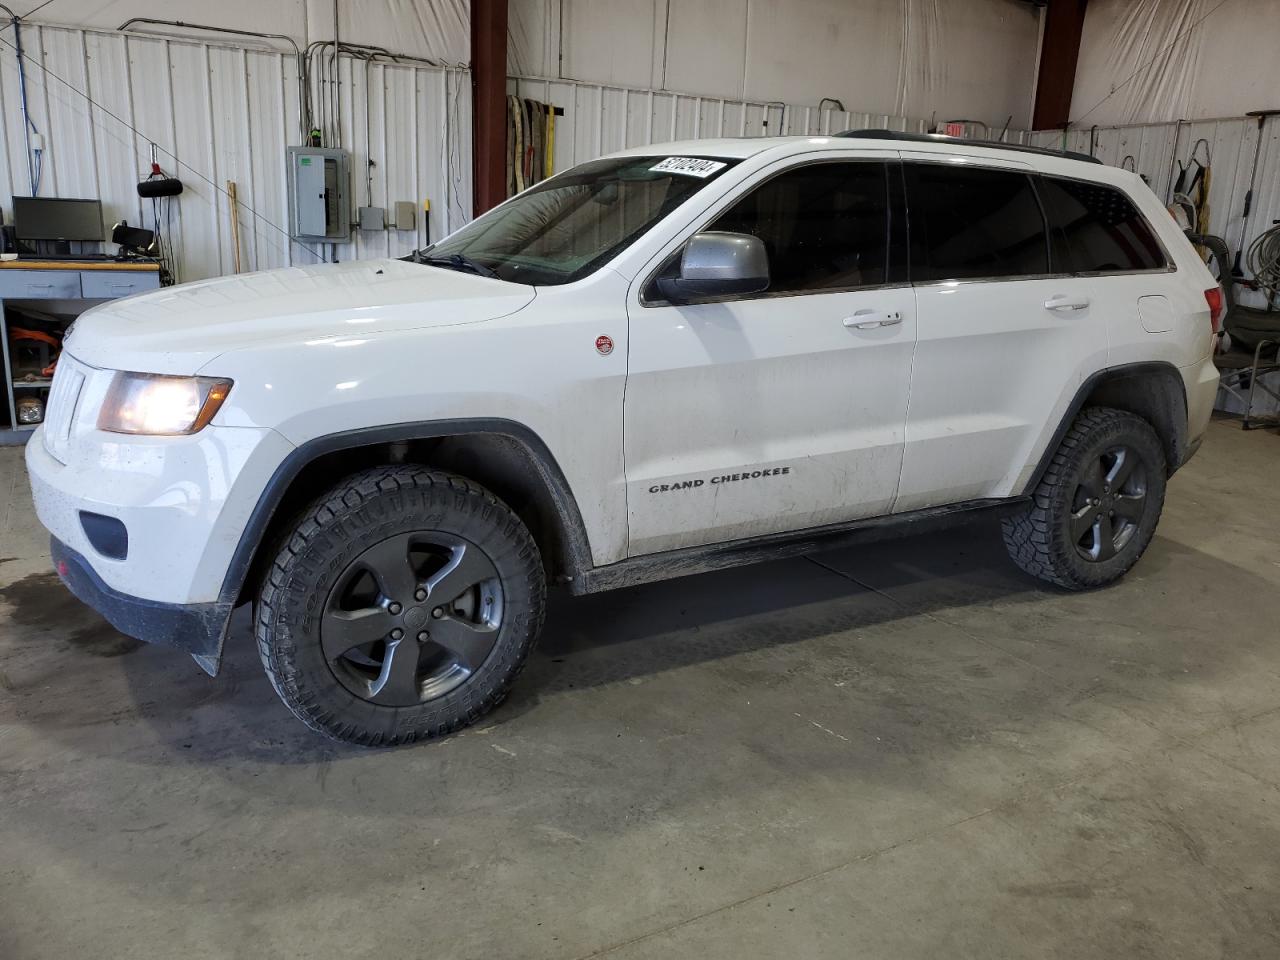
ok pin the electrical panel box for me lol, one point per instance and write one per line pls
(319, 188)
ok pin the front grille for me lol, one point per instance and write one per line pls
(59, 412)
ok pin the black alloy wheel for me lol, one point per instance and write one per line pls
(401, 605)
(411, 618)
(1095, 510)
(1109, 504)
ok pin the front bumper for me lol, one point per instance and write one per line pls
(196, 628)
(184, 502)
(178, 507)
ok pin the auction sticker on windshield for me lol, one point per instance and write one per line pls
(688, 166)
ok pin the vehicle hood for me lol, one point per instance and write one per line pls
(180, 329)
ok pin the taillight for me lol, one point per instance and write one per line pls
(1213, 296)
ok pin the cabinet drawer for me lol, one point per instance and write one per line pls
(105, 284)
(42, 284)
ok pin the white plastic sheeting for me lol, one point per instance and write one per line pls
(227, 113)
(436, 29)
(974, 59)
(1144, 61)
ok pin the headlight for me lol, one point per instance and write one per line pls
(156, 405)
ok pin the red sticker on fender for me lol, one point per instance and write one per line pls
(604, 345)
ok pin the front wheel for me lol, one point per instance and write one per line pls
(1095, 511)
(400, 607)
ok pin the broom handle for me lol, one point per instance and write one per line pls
(235, 223)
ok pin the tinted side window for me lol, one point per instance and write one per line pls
(1099, 227)
(825, 225)
(970, 223)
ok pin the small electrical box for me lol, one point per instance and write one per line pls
(406, 215)
(319, 201)
(371, 218)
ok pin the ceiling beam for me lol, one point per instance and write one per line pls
(1059, 53)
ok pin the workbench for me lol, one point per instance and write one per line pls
(65, 287)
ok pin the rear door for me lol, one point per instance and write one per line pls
(778, 411)
(1109, 242)
(1003, 330)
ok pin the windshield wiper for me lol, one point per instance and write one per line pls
(456, 261)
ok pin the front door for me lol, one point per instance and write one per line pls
(784, 410)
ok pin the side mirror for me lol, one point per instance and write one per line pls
(717, 264)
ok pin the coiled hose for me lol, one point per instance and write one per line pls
(1264, 261)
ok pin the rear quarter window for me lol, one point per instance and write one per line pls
(1097, 229)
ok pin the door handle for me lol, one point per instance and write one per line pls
(870, 319)
(1063, 302)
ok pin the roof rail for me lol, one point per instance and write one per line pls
(962, 142)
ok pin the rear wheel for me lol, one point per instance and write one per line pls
(401, 607)
(1095, 511)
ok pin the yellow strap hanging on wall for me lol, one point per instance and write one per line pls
(549, 145)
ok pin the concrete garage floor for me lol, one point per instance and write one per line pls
(907, 750)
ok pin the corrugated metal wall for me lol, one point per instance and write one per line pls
(227, 113)
(599, 118)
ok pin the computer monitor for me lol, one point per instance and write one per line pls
(56, 218)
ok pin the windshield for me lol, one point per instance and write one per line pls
(565, 228)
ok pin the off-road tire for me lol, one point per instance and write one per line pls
(363, 510)
(1039, 539)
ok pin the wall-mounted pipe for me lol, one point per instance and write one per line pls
(200, 26)
(33, 180)
(304, 98)
(337, 80)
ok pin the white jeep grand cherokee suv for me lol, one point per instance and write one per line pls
(666, 360)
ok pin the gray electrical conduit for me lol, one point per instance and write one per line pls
(306, 114)
(15, 20)
(360, 51)
(200, 26)
(303, 78)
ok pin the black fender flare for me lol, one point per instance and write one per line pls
(1099, 378)
(576, 542)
